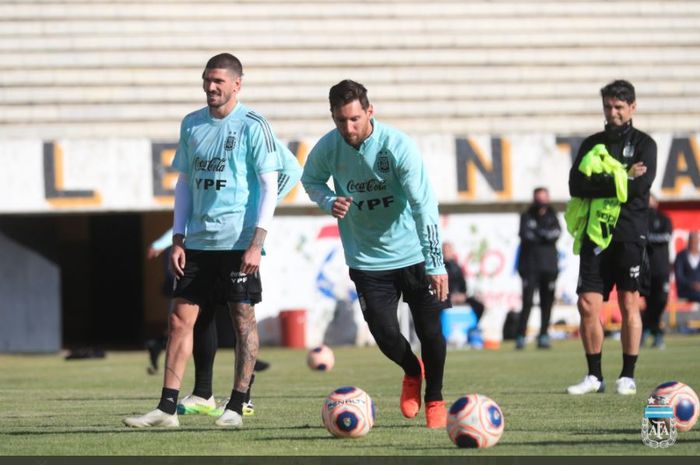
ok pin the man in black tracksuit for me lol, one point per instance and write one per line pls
(620, 263)
(538, 263)
(660, 231)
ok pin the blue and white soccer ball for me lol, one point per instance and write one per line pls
(684, 401)
(348, 412)
(475, 421)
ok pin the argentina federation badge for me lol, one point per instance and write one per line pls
(382, 162)
(658, 424)
(628, 151)
(230, 142)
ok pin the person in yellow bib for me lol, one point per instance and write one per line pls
(614, 231)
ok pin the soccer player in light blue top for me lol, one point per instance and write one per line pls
(205, 342)
(225, 198)
(223, 158)
(388, 220)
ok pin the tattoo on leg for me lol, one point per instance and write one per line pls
(247, 344)
(167, 368)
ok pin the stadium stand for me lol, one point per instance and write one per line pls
(128, 68)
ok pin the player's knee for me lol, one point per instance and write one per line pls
(179, 324)
(631, 315)
(589, 305)
(429, 332)
(387, 336)
(243, 318)
(629, 302)
(245, 321)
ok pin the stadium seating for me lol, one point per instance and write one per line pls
(132, 68)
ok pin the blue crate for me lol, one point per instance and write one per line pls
(460, 319)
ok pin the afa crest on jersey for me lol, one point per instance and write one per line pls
(382, 162)
(230, 142)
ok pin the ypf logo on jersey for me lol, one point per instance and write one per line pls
(658, 424)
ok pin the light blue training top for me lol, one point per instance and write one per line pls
(393, 220)
(287, 178)
(222, 159)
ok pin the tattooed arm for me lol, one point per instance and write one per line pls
(250, 262)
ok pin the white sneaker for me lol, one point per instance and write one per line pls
(589, 384)
(248, 408)
(191, 405)
(153, 418)
(626, 386)
(230, 419)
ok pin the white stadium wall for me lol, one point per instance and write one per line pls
(135, 175)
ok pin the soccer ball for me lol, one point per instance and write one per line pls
(320, 358)
(475, 421)
(348, 412)
(683, 400)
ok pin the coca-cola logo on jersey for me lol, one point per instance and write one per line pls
(216, 164)
(371, 185)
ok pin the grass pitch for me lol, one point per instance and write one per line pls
(54, 407)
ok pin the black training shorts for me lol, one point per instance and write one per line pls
(213, 276)
(619, 264)
(379, 291)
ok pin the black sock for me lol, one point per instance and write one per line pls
(433, 349)
(204, 348)
(168, 400)
(235, 403)
(434, 352)
(202, 385)
(594, 365)
(250, 386)
(433, 383)
(628, 362)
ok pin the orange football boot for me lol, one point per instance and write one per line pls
(410, 393)
(435, 414)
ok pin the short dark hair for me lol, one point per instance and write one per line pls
(347, 91)
(225, 61)
(619, 89)
(539, 189)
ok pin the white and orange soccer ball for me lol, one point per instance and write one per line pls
(475, 421)
(683, 400)
(348, 412)
(320, 358)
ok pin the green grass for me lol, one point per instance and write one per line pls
(54, 407)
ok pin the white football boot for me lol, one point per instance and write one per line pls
(626, 386)
(589, 384)
(153, 418)
(230, 419)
